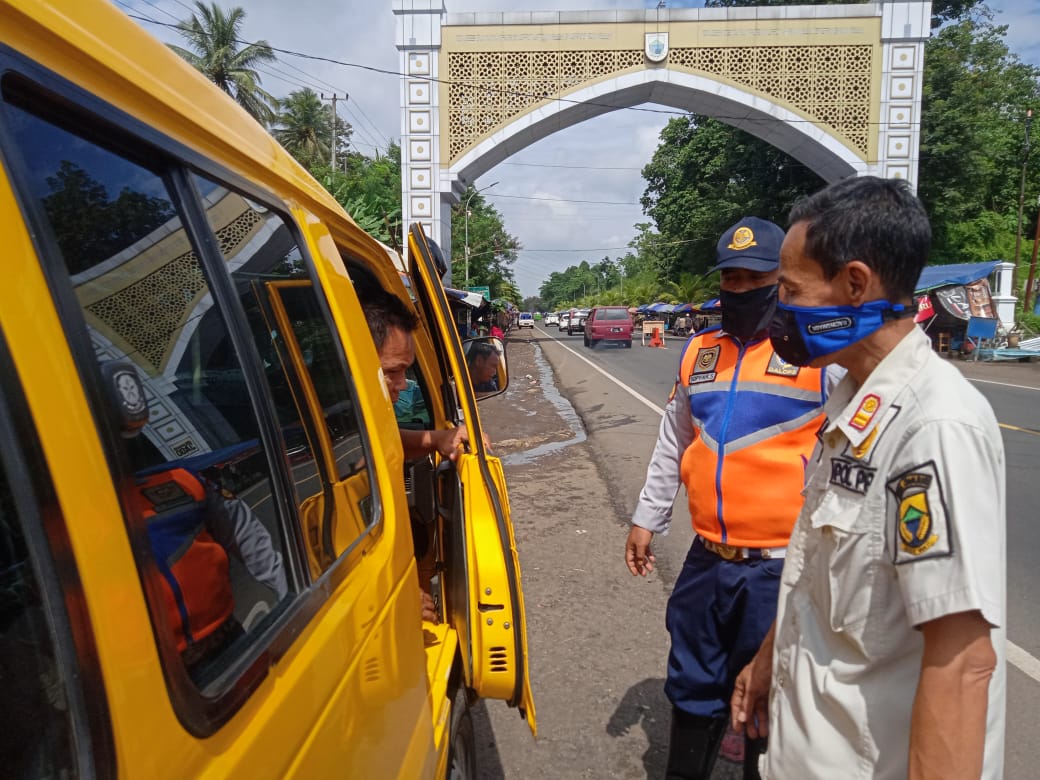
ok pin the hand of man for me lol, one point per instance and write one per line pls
(447, 441)
(429, 609)
(638, 557)
(749, 706)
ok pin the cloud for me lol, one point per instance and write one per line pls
(598, 160)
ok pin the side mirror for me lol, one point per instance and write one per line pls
(488, 370)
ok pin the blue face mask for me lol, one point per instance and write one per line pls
(800, 334)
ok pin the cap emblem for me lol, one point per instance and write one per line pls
(743, 237)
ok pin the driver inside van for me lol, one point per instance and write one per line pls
(482, 360)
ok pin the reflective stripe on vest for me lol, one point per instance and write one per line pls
(196, 577)
(755, 420)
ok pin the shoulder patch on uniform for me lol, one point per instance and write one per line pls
(920, 516)
(865, 413)
(864, 451)
(780, 367)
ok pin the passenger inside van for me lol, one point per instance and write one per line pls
(196, 529)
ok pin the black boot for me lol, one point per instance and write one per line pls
(753, 748)
(694, 745)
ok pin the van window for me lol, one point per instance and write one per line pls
(36, 738)
(305, 368)
(202, 492)
(611, 314)
(200, 487)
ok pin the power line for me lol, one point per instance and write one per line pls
(518, 93)
(575, 167)
(649, 245)
(355, 103)
(567, 200)
(375, 144)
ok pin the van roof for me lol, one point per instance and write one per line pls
(132, 70)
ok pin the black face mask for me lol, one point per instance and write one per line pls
(748, 313)
(787, 339)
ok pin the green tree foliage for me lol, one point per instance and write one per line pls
(976, 93)
(703, 177)
(370, 190)
(215, 49)
(304, 126)
(90, 225)
(492, 250)
(532, 303)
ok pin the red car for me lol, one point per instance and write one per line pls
(608, 323)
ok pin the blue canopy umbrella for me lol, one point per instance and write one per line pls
(713, 305)
(683, 308)
(958, 273)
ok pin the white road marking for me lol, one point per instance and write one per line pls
(1022, 660)
(1016, 656)
(635, 394)
(1002, 384)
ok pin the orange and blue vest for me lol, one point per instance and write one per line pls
(755, 420)
(196, 577)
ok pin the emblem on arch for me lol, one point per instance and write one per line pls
(656, 46)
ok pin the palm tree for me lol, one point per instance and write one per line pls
(304, 127)
(691, 288)
(215, 51)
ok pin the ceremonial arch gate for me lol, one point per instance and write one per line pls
(838, 87)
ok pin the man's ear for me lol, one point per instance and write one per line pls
(861, 282)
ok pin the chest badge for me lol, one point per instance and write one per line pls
(704, 365)
(780, 367)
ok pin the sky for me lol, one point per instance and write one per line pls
(570, 197)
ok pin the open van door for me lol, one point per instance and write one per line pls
(480, 571)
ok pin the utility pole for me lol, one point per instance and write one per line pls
(335, 117)
(1028, 298)
(465, 209)
(1021, 202)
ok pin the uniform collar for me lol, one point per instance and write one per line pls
(856, 411)
(721, 334)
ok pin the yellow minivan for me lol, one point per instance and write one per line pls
(209, 535)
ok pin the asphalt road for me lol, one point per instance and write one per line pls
(1013, 390)
(575, 445)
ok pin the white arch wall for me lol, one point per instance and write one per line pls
(430, 186)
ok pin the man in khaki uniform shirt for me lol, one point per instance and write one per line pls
(887, 656)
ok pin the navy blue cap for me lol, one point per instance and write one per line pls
(752, 243)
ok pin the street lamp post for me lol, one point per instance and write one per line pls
(1021, 201)
(465, 208)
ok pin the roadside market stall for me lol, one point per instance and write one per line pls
(949, 296)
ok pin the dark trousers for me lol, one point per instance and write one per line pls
(717, 616)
